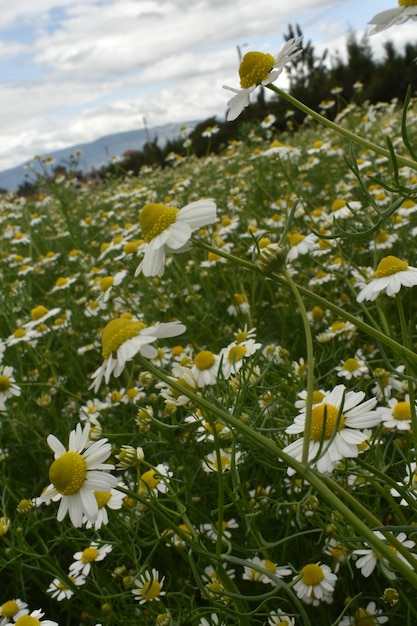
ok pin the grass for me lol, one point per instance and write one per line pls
(218, 547)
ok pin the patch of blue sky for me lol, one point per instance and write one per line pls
(19, 69)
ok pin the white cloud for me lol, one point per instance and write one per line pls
(100, 66)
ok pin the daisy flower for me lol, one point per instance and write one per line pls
(205, 368)
(279, 618)
(370, 615)
(8, 388)
(337, 428)
(397, 414)
(214, 621)
(316, 584)
(257, 68)
(149, 587)
(300, 244)
(112, 499)
(352, 367)
(409, 484)
(123, 338)
(60, 590)
(76, 473)
(155, 480)
(407, 10)
(390, 275)
(170, 228)
(83, 559)
(232, 357)
(250, 573)
(211, 463)
(12, 609)
(368, 558)
(32, 619)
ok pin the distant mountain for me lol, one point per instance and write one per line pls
(99, 152)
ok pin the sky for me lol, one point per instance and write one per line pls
(72, 71)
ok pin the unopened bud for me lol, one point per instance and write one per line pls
(271, 258)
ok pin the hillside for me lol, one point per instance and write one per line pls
(98, 152)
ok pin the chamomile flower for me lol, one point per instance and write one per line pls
(233, 356)
(407, 10)
(205, 368)
(300, 244)
(337, 428)
(32, 619)
(223, 461)
(352, 367)
(8, 387)
(61, 591)
(12, 609)
(256, 574)
(397, 414)
(76, 473)
(316, 584)
(123, 338)
(84, 558)
(167, 228)
(390, 275)
(149, 587)
(112, 499)
(371, 615)
(257, 68)
(214, 621)
(155, 480)
(368, 558)
(279, 618)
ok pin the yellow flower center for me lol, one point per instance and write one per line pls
(68, 472)
(38, 312)
(407, 3)
(381, 237)
(4, 384)
(106, 283)
(61, 281)
(102, 497)
(317, 396)
(151, 590)
(295, 238)
(155, 218)
(402, 411)
(117, 332)
(19, 332)
(9, 609)
(27, 620)
(131, 247)
(254, 68)
(324, 419)
(312, 574)
(269, 565)
(337, 326)
(204, 360)
(148, 481)
(236, 353)
(317, 313)
(390, 265)
(362, 617)
(338, 204)
(89, 554)
(351, 365)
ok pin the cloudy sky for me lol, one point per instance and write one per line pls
(72, 71)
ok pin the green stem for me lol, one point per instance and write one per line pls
(410, 373)
(312, 477)
(369, 145)
(310, 368)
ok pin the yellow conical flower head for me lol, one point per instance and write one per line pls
(68, 472)
(390, 265)
(312, 574)
(254, 68)
(324, 419)
(407, 3)
(117, 332)
(155, 218)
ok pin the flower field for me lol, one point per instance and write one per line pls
(207, 386)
